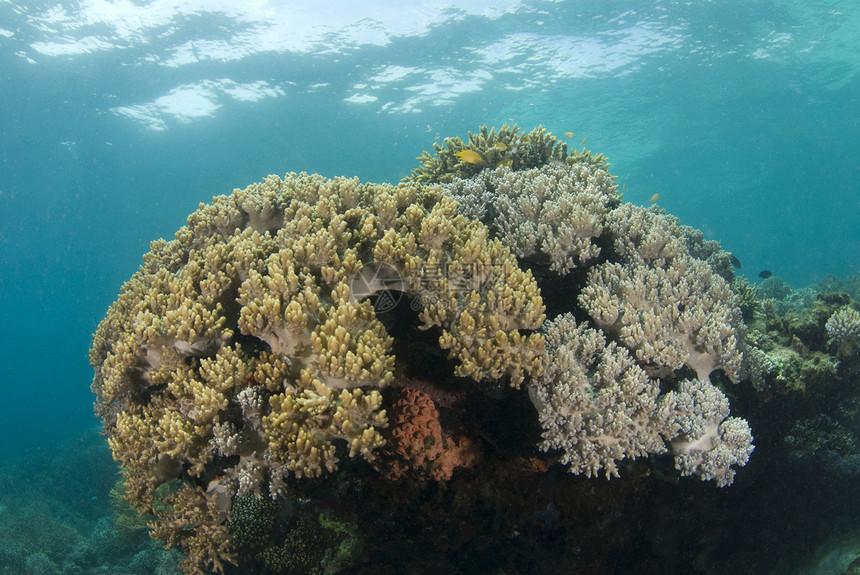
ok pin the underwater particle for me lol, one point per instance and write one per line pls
(569, 134)
(501, 146)
(735, 261)
(470, 156)
(765, 274)
(653, 198)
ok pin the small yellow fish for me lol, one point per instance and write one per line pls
(525, 140)
(506, 162)
(583, 140)
(501, 146)
(470, 156)
(569, 134)
(624, 186)
(653, 198)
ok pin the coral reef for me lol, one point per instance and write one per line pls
(828, 441)
(254, 356)
(708, 251)
(672, 316)
(656, 311)
(806, 348)
(773, 287)
(746, 298)
(594, 402)
(126, 517)
(644, 287)
(285, 537)
(662, 309)
(508, 147)
(709, 442)
(644, 290)
(667, 307)
(757, 367)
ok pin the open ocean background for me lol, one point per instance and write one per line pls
(118, 118)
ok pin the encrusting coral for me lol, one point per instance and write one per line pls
(418, 442)
(253, 351)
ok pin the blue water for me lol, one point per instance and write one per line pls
(117, 119)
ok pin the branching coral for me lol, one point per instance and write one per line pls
(843, 327)
(647, 290)
(655, 309)
(246, 349)
(595, 404)
(193, 520)
(709, 442)
(300, 427)
(488, 149)
(550, 214)
(666, 316)
(668, 308)
(507, 147)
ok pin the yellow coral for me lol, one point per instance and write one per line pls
(300, 426)
(251, 334)
(208, 543)
(351, 347)
(507, 147)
